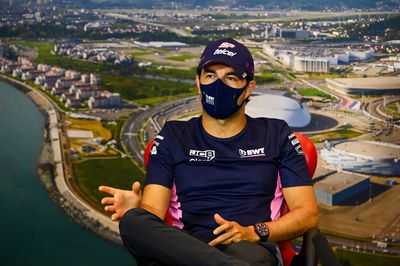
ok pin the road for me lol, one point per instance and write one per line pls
(134, 124)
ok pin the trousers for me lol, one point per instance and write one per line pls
(153, 243)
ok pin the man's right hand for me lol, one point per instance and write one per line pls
(121, 200)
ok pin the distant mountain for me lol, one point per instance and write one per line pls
(310, 5)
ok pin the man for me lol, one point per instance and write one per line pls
(217, 176)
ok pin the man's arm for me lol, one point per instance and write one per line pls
(156, 200)
(303, 216)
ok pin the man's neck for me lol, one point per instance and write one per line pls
(224, 128)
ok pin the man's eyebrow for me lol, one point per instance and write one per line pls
(208, 70)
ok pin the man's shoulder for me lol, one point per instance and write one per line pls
(268, 122)
(177, 127)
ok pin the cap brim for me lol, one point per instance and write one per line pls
(239, 70)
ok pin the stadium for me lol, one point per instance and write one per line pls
(366, 86)
(275, 105)
(367, 157)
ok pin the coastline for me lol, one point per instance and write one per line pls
(48, 169)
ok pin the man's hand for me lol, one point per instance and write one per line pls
(122, 200)
(232, 232)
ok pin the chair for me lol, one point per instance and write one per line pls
(307, 254)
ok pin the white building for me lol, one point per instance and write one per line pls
(32, 75)
(86, 93)
(95, 79)
(64, 83)
(106, 100)
(72, 74)
(85, 78)
(278, 106)
(309, 64)
(72, 103)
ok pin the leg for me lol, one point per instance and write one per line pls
(147, 238)
(256, 254)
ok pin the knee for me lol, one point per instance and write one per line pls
(135, 220)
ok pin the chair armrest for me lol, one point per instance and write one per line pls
(308, 254)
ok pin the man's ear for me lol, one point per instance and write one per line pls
(250, 88)
(198, 84)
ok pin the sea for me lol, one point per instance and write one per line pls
(33, 229)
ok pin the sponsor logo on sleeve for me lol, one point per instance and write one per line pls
(251, 153)
(206, 155)
(296, 144)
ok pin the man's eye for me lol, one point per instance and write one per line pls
(232, 78)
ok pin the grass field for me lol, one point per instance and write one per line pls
(155, 100)
(313, 92)
(120, 173)
(340, 133)
(95, 126)
(267, 78)
(365, 259)
(182, 57)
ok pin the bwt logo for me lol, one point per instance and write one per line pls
(226, 45)
(208, 155)
(251, 153)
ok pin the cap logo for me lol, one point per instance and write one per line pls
(225, 52)
(244, 75)
(226, 45)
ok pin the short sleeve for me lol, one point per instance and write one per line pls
(160, 167)
(293, 166)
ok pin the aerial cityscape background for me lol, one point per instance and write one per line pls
(85, 85)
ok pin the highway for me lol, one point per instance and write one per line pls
(134, 124)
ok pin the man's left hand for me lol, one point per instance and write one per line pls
(231, 232)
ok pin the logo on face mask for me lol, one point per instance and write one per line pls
(209, 99)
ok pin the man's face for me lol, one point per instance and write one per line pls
(228, 75)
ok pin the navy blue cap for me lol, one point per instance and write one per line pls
(229, 52)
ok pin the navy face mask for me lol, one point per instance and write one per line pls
(220, 100)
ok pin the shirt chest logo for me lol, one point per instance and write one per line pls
(251, 153)
(206, 155)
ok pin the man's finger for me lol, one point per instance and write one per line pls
(219, 220)
(222, 239)
(109, 208)
(221, 229)
(107, 201)
(115, 216)
(109, 190)
(136, 187)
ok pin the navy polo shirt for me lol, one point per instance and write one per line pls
(236, 177)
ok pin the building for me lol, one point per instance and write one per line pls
(278, 106)
(106, 100)
(64, 83)
(32, 75)
(337, 187)
(308, 64)
(367, 157)
(95, 79)
(85, 93)
(161, 44)
(72, 103)
(366, 86)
